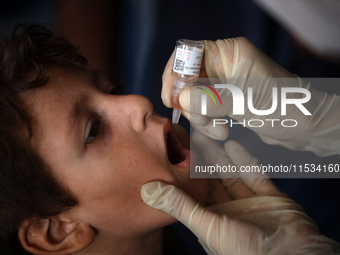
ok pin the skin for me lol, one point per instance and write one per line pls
(105, 171)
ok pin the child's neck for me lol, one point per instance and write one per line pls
(148, 244)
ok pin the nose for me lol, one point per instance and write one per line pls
(133, 110)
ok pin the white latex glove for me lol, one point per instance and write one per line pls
(318, 32)
(239, 62)
(258, 219)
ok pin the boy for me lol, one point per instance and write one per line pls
(74, 157)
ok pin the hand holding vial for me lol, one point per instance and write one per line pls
(240, 63)
(254, 218)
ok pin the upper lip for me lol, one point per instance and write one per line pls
(167, 128)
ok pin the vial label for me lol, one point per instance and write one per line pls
(188, 61)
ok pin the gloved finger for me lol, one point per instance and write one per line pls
(220, 234)
(220, 57)
(237, 188)
(212, 151)
(197, 119)
(217, 193)
(178, 204)
(258, 182)
(204, 125)
(168, 81)
(214, 154)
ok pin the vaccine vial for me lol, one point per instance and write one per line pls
(186, 69)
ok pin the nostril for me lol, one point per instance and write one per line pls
(140, 109)
(146, 117)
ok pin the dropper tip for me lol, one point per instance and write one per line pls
(176, 114)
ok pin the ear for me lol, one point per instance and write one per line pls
(56, 235)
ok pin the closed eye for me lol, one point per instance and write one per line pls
(94, 131)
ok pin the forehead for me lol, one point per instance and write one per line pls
(64, 84)
(67, 79)
(50, 105)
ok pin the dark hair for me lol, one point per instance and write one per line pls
(26, 187)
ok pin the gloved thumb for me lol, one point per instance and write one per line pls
(178, 204)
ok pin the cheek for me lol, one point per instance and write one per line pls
(111, 201)
(110, 195)
(123, 213)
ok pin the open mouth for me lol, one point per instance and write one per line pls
(177, 154)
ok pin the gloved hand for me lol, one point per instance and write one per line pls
(239, 62)
(258, 219)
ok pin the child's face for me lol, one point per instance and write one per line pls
(103, 148)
